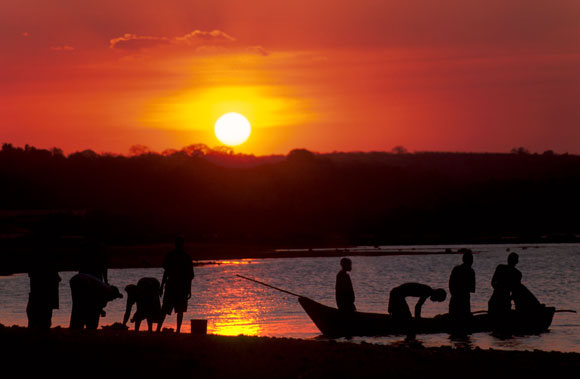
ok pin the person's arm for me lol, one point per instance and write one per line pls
(472, 281)
(419, 305)
(350, 290)
(192, 275)
(163, 281)
(494, 278)
(452, 280)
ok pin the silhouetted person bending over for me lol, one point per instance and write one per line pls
(504, 280)
(176, 282)
(461, 285)
(146, 295)
(344, 291)
(398, 306)
(90, 296)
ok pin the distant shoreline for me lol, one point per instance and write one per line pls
(109, 352)
(150, 256)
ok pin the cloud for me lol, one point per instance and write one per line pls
(135, 42)
(215, 42)
(199, 37)
(196, 39)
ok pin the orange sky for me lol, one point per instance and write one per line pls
(324, 75)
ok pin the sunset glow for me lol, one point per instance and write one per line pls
(366, 77)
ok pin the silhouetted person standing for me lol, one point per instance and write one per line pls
(43, 296)
(344, 290)
(398, 306)
(461, 285)
(504, 281)
(176, 283)
(146, 295)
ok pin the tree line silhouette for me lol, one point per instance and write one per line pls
(302, 199)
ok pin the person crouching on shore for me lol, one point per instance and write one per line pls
(146, 295)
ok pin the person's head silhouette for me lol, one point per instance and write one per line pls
(468, 258)
(439, 295)
(346, 264)
(513, 259)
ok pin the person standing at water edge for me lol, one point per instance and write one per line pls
(344, 290)
(44, 285)
(461, 285)
(176, 281)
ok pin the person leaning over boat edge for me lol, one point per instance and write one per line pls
(398, 306)
(344, 290)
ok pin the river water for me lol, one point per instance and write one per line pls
(236, 306)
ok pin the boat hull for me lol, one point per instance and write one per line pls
(333, 323)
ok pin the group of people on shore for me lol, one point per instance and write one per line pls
(175, 287)
(506, 283)
(91, 291)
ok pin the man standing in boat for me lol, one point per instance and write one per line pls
(461, 285)
(398, 306)
(344, 290)
(504, 280)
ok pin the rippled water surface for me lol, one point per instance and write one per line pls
(236, 306)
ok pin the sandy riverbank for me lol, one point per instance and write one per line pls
(106, 353)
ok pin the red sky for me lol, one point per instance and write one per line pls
(326, 75)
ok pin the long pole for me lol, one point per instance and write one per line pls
(267, 285)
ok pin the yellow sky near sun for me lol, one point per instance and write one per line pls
(198, 109)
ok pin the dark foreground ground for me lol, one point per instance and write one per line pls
(108, 353)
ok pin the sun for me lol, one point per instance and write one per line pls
(232, 129)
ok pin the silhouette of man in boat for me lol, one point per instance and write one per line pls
(146, 295)
(507, 286)
(398, 306)
(461, 285)
(344, 290)
(505, 279)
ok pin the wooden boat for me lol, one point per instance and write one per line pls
(333, 323)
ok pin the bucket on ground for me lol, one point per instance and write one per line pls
(198, 326)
